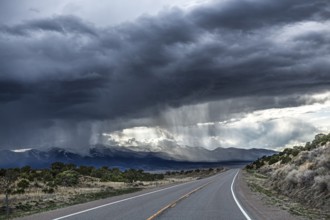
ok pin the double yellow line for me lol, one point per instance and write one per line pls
(172, 204)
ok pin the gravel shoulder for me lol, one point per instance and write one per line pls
(259, 205)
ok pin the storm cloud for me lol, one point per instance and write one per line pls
(62, 76)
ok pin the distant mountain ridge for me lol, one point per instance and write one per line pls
(128, 158)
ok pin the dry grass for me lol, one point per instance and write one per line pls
(305, 179)
(34, 200)
(304, 182)
(258, 183)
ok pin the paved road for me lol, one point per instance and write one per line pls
(214, 201)
(209, 198)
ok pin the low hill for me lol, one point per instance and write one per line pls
(301, 173)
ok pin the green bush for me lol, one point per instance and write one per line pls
(67, 178)
(57, 167)
(97, 173)
(295, 152)
(285, 160)
(273, 160)
(85, 170)
(23, 184)
(47, 176)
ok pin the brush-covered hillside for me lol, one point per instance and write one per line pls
(301, 173)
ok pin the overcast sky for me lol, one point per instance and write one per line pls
(224, 73)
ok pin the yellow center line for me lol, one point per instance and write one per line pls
(173, 204)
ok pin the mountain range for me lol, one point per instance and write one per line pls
(128, 157)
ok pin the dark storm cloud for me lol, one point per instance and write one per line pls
(10, 91)
(61, 24)
(62, 68)
(246, 15)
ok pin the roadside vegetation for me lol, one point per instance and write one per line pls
(27, 191)
(298, 176)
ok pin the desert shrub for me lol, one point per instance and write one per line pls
(277, 175)
(322, 171)
(30, 177)
(57, 167)
(131, 175)
(319, 140)
(98, 173)
(285, 160)
(295, 152)
(302, 158)
(85, 170)
(258, 163)
(273, 160)
(23, 184)
(105, 178)
(48, 190)
(24, 207)
(306, 178)
(291, 178)
(324, 160)
(287, 151)
(117, 178)
(322, 183)
(249, 167)
(47, 176)
(67, 178)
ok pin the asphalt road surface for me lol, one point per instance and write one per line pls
(209, 198)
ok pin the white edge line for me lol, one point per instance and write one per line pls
(236, 200)
(112, 203)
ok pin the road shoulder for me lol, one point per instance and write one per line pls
(258, 205)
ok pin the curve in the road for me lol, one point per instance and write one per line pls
(236, 200)
(216, 201)
(208, 198)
